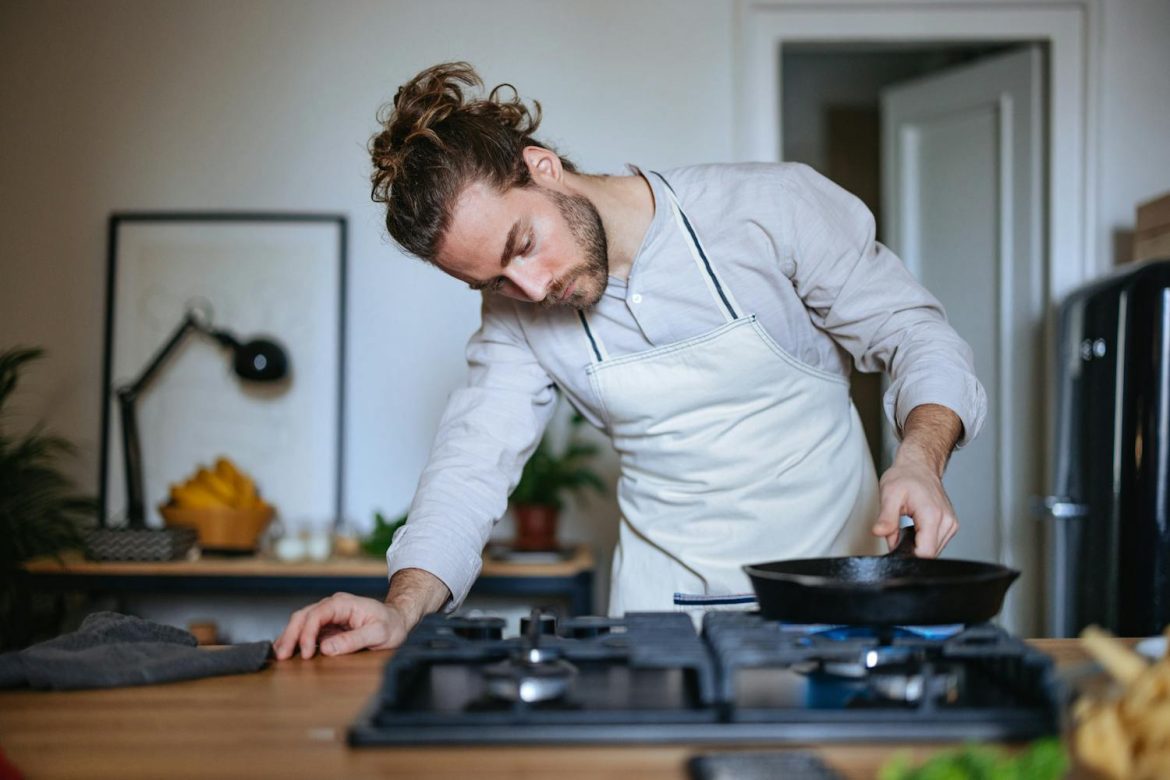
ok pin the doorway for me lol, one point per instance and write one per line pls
(831, 121)
(945, 144)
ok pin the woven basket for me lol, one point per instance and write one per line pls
(226, 530)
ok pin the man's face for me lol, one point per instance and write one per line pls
(531, 243)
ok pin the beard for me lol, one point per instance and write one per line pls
(591, 276)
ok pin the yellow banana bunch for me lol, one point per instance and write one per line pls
(222, 487)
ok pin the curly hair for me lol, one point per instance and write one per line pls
(436, 139)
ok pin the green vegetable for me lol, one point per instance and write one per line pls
(1044, 760)
(379, 539)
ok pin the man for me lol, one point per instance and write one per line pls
(705, 318)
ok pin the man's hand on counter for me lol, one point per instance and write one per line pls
(345, 623)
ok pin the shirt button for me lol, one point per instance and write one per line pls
(636, 298)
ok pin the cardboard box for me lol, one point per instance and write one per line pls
(1152, 233)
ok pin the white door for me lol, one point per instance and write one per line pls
(963, 203)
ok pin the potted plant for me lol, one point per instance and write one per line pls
(40, 514)
(547, 477)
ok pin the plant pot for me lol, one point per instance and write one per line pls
(536, 527)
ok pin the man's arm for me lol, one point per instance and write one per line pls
(913, 484)
(489, 429)
(861, 293)
(416, 593)
(858, 291)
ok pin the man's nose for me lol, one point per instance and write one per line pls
(531, 279)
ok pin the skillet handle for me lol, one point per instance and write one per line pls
(906, 535)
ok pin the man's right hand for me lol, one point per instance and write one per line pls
(344, 623)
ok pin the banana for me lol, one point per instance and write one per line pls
(217, 485)
(226, 470)
(243, 486)
(194, 496)
(224, 485)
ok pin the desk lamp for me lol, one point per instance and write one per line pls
(258, 360)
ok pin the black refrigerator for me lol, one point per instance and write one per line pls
(1107, 522)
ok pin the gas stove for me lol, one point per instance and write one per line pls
(650, 677)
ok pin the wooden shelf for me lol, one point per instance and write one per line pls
(256, 566)
(571, 579)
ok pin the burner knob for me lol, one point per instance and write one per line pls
(547, 626)
(588, 627)
(484, 628)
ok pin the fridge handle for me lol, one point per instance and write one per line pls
(1061, 560)
(1061, 508)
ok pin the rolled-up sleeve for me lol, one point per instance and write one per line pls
(861, 293)
(489, 429)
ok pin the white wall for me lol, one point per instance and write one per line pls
(1134, 113)
(267, 105)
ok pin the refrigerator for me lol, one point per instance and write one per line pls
(1107, 520)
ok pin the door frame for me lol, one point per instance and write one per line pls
(1070, 28)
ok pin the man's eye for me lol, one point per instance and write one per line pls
(496, 284)
(527, 246)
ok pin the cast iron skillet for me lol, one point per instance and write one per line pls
(893, 589)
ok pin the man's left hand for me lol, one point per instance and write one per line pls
(913, 485)
(912, 489)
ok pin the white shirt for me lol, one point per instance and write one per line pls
(795, 249)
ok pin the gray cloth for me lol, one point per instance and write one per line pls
(112, 650)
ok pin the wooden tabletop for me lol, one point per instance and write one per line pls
(289, 721)
(579, 561)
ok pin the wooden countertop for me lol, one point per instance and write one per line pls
(289, 720)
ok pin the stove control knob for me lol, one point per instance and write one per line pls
(485, 628)
(587, 627)
(547, 627)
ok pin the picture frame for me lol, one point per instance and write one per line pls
(280, 276)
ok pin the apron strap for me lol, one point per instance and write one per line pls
(596, 348)
(715, 286)
(718, 290)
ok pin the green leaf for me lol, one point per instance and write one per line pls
(40, 512)
(1043, 760)
(378, 540)
(547, 478)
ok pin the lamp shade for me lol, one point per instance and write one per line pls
(260, 360)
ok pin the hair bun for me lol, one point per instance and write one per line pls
(430, 99)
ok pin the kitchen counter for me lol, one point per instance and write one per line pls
(289, 720)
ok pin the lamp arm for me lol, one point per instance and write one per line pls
(127, 400)
(132, 460)
(188, 324)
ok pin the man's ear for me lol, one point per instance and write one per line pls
(544, 166)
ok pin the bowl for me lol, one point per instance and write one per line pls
(222, 529)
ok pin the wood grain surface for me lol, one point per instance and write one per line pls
(289, 721)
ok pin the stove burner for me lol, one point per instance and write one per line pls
(533, 672)
(519, 680)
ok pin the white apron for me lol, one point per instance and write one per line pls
(732, 452)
